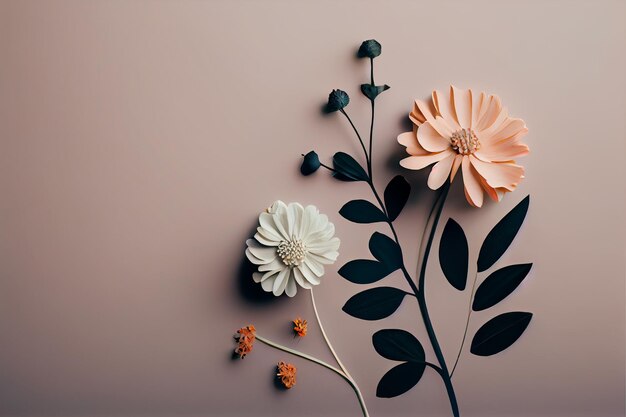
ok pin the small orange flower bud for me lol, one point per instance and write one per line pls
(245, 339)
(299, 327)
(286, 374)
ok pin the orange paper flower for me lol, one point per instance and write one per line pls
(300, 327)
(286, 374)
(245, 339)
(471, 131)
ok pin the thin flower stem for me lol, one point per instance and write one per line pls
(319, 362)
(332, 350)
(330, 346)
(358, 135)
(469, 313)
(421, 298)
(369, 164)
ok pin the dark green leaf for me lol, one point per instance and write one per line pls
(501, 236)
(396, 196)
(310, 164)
(364, 271)
(372, 91)
(370, 48)
(347, 168)
(398, 345)
(499, 333)
(400, 379)
(499, 285)
(375, 303)
(454, 255)
(386, 250)
(362, 211)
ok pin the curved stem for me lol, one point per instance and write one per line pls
(319, 362)
(358, 135)
(341, 365)
(330, 347)
(445, 375)
(469, 313)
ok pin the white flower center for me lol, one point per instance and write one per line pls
(465, 142)
(292, 252)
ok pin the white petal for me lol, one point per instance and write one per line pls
(263, 240)
(316, 267)
(291, 288)
(300, 279)
(280, 282)
(309, 275)
(275, 265)
(268, 284)
(266, 254)
(256, 276)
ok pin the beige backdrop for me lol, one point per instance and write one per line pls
(140, 139)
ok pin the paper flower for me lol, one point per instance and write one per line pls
(286, 374)
(245, 340)
(291, 247)
(471, 131)
(300, 327)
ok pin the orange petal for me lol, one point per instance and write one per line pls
(409, 139)
(473, 190)
(444, 108)
(499, 174)
(440, 172)
(455, 166)
(422, 161)
(462, 100)
(417, 116)
(493, 108)
(477, 107)
(430, 139)
(437, 122)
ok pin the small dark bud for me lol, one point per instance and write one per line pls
(369, 49)
(310, 164)
(337, 100)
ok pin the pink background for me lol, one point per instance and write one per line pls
(140, 140)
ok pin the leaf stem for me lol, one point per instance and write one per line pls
(469, 313)
(319, 362)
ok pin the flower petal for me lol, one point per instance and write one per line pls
(281, 282)
(291, 289)
(297, 274)
(473, 190)
(499, 174)
(492, 109)
(416, 115)
(478, 107)
(455, 166)
(437, 122)
(422, 161)
(444, 108)
(409, 139)
(263, 253)
(268, 284)
(430, 139)
(462, 100)
(440, 172)
(309, 275)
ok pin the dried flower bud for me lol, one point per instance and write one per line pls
(337, 100)
(369, 49)
(310, 164)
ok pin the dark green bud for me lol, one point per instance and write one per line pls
(337, 100)
(369, 49)
(310, 164)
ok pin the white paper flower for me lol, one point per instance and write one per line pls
(291, 246)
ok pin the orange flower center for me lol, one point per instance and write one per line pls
(465, 142)
(291, 252)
